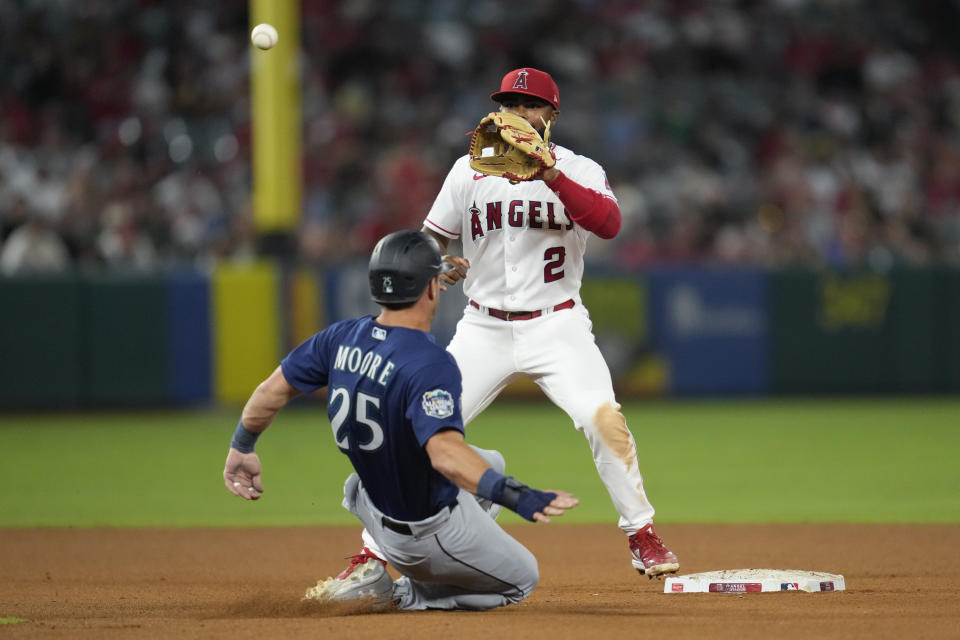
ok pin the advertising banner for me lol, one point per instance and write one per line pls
(711, 327)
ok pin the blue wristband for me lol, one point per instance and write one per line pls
(513, 494)
(491, 485)
(243, 440)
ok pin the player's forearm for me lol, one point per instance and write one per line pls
(464, 467)
(588, 208)
(265, 403)
(452, 457)
(442, 240)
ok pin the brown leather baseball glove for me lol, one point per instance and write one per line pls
(504, 144)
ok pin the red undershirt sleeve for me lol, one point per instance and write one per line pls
(588, 208)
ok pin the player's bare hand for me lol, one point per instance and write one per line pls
(548, 175)
(458, 270)
(557, 506)
(242, 475)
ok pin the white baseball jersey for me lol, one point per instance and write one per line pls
(525, 253)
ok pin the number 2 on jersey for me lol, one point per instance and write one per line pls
(362, 416)
(554, 267)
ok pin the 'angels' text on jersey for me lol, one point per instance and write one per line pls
(524, 250)
(532, 214)
(366, 363)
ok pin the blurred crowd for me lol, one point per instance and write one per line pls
(765, 132)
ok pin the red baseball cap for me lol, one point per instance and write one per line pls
(531, 82)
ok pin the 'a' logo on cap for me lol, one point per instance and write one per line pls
(521, 82)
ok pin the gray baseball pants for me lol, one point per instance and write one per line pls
(459, 558)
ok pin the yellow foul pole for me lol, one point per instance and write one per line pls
(276, 119)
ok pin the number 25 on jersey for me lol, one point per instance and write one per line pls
(348, 415)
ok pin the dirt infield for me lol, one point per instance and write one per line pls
(902, 582)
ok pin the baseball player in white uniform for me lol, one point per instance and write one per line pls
(523, 245)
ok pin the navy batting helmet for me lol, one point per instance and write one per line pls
(402, 264)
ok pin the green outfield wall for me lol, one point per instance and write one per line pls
(41, 329)
(103, 339)
(851, 332)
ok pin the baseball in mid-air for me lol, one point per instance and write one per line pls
(264, 36)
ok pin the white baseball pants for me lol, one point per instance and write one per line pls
(557, 351)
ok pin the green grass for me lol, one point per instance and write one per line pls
(826, 460)
(12, 620)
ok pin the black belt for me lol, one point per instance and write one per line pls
(403, 527)
(523, 315)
